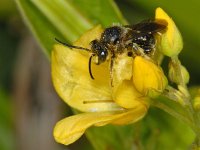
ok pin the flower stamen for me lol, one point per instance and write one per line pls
(98, 101)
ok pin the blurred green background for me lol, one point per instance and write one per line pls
(29, 106)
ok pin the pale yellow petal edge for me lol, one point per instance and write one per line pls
(72, 128)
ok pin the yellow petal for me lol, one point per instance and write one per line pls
(90, 35)
(72, 128)
(122, 69)
(73, 83)
(127, 96)
(171, 41)
(123, 90)
(147, 76)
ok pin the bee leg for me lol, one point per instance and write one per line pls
(136, 49)
(139, 51)
(111, 69)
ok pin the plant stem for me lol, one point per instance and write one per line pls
(173, 113)
(186, 98)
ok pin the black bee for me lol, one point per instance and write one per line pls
(138, 39)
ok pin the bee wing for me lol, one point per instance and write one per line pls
(149, 26)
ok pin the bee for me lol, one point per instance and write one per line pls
(137, 39)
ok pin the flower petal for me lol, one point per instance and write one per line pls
(147, 76)
(72, 128)
(171, 41)
(72, 81)
(127, 96)
(86, 38)
(123, 90)
(122, 69)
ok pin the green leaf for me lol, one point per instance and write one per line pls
(101, 11)
(162, 131)
(6, 122)
(38, 24)
(66, 20)
(112, 137)
(174, 108)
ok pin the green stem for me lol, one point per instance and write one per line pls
(187, 98)
(197, 130)
(192, 118)
(194, 125)
(178, 97)
(173, 113)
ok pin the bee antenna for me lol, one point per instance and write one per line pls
(71, 46)
(89, 65)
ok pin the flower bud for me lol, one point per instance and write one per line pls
(175, 77)
(171, 41)
(196, 103)
(147, 76)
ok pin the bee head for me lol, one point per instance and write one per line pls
(99, 50)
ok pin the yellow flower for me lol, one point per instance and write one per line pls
(171, 42)
(148, 76)
(124, 102)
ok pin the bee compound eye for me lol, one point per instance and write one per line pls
(103, 53)
(130, 54)
(116, 41)
(102, 56)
